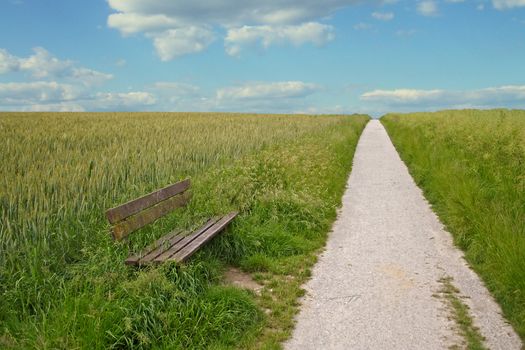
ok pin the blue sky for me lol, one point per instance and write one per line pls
(278, 56)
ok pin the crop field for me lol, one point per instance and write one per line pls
(471, 166)
(63, 283)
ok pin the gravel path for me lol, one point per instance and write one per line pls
(375, 285)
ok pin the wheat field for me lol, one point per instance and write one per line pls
(62, 280)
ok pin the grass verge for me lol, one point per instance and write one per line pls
(63, 283)
(471, 167)
(460, 313)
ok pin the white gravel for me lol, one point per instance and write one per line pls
(374, 286)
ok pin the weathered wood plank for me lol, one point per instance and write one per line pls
(130, 208)
(192, 247)
(146, 259)
(147, 216)
(184, 242)
(161, 242)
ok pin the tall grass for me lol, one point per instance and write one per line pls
(471, 166)
(63, 283)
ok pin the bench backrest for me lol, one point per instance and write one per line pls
(131, 216)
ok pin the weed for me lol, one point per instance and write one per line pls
(460, 314)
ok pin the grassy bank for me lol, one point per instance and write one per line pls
(62, 280)
(471, 166)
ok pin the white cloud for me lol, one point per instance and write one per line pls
(43, 65)
(282, 97)
(177, 42)
(53, 96)
(88, 76)
(383, 16)
(507, 4)
(61, 85)
(506, 96)
(337, 109)
(266, 36)
(267, 91)
(270, 97)
(118, 101)
(170, 87)
(362, 26)
(179, 95)
(36, 92)
(54, 107)
(230, 12)
(402, 96)
(131, 23)
(264, 97)
(170, 21)
(8, 62)
(502, 94)
(427, 8)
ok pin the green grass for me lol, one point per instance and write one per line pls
(63, 283)
(473, 340)
(471, 166)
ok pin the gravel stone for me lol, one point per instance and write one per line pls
(375, 285)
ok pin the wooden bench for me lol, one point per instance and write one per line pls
(175, 246)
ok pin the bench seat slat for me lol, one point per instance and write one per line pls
(162, 241)
(130, 208)
(203, 238)
(148, 257)
(147, 216)
(151, 256)
(184, 242)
